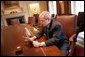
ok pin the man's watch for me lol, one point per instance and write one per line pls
(42, 44)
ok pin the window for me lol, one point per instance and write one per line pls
(77, 6)
(52, 7)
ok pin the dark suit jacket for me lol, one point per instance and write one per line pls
(54, 33)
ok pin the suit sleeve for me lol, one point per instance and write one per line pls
(57, 35)
(40, 33)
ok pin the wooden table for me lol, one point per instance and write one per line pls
(12, 37)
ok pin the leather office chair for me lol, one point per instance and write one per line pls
(31, 20)
(36, 17)
(68, 23)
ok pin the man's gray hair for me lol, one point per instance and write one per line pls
(46, 15)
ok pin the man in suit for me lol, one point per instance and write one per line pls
(54, 32)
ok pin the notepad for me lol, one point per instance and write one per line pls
(28, 32)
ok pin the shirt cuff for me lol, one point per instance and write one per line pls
(42, 44)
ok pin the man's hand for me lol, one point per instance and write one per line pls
(72, 38)
(36, 44)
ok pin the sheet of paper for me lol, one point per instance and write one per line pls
(28, 33)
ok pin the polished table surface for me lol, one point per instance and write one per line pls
(12, 37)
